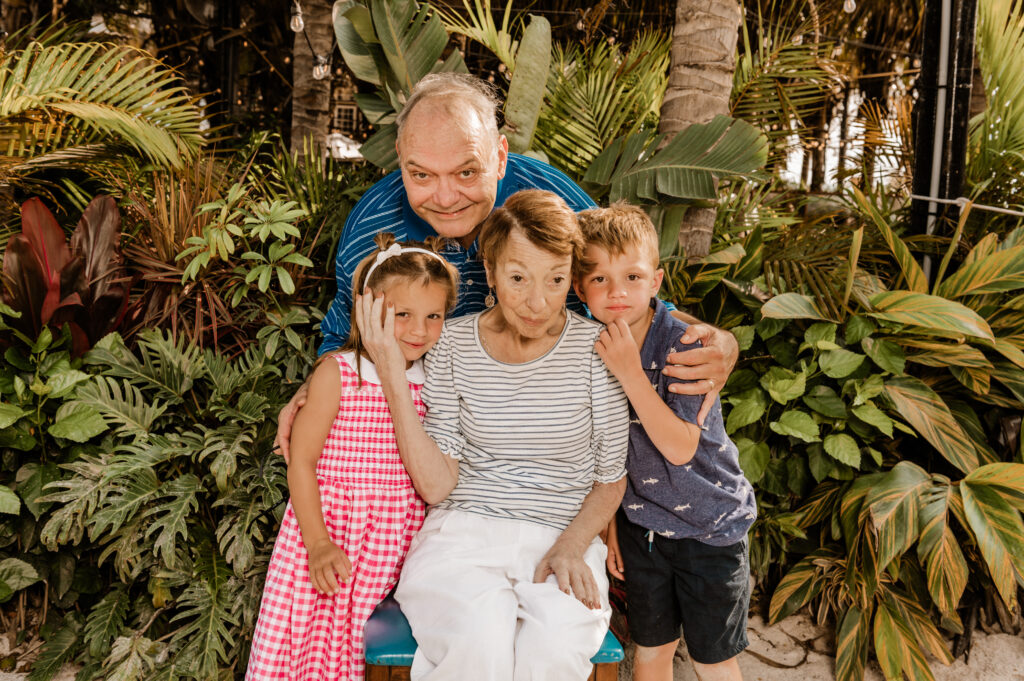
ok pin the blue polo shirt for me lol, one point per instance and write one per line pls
(707, 499)
(385, 208)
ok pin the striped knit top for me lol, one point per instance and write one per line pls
(385, 208)
(532, 438)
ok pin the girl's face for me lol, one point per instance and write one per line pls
(419, 316)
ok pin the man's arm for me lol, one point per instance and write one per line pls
(707, 367)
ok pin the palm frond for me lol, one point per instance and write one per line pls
(68, 103)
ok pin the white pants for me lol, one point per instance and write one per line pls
(467, 590)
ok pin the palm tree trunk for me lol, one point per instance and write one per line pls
(699, 85)
(311, 98)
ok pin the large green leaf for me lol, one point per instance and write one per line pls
(10, 504)
(798, 424)
(998, 272)
(924, 409)
(105, 622)
(893, 504)
(912, 272)
(172, 516)
(801, 584)
(946, 569)
(852, 644)
(930, 312)
(792, 306)
(412, 37)
(999, 531)
(896, 648)
(353, 27)
(526, 91)
(637, 171)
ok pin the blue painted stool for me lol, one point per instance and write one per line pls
(390, 648)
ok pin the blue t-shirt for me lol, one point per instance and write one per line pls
(707, 499)
(385, 208)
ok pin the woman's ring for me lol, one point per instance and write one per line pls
(711, 384)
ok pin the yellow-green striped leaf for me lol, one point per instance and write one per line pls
(925, 411)
(1000, 535)
(926, 635)
(798, 587)
(1009, 351)
(893, 504)
(916, 281)
(1007, 479)
(939, 354)
(928, 311)
(1000, 271)
(946, 569)
(793, 306)
(1011, 376)
(976, 380)
(852, 644)
(895, 648)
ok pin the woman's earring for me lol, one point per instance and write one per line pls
(489, 300)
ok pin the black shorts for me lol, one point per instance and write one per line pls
(682, 582)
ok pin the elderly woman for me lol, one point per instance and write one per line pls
(522, 456)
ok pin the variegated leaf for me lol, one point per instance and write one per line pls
(793, 306)
(1011, 376)
(822, 504)
(923, 409)
(926, 635)
(916, 281)
(896, 649)
(1007, 479)
(1000, 271)
(802, 583)
(928, 311)
(938, 354)
(1009, 351)
(978, 381)
(893, 504)
(1000, 535)
(852, 644)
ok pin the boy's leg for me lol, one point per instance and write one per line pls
(713, 586)
(654, 664)
(722, 671)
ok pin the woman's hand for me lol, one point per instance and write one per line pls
(565, 561)
(708, 366)
(327, 565)
(376, 324)
(617, 349)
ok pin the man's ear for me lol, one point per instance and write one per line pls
(502, 155)
(659, 276)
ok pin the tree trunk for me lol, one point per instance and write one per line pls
(311, 98)
(699, 85)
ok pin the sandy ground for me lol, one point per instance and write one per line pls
(798, 650)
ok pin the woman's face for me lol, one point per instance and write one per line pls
(530, 284)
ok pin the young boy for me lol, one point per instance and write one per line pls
(680, 537)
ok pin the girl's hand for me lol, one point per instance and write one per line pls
(618, 350)
(327, 565)
(376, 324)
(614, 561)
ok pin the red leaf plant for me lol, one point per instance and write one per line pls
(52, 283)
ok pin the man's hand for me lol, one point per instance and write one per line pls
(285, 420)
(327, 565)
(573, 574)
(708, 366)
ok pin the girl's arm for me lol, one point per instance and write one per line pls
(675, 438)
(312, 425)
(433, 474)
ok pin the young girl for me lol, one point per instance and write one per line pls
(353, 510)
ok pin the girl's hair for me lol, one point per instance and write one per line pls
(411, 267)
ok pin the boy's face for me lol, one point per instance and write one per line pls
(619, 286)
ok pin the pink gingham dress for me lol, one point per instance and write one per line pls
(371, 511)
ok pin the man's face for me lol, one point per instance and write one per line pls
(450, 169)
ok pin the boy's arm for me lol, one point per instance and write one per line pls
(675, 438)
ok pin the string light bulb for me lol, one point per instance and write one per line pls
(849, 6)
(321, 67)
(297, 24)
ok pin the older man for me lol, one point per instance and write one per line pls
(455, 167)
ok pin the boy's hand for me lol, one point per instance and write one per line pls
(618, 350)
(614, 560)
(326, 559)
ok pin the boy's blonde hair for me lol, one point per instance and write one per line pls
(616, 228)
